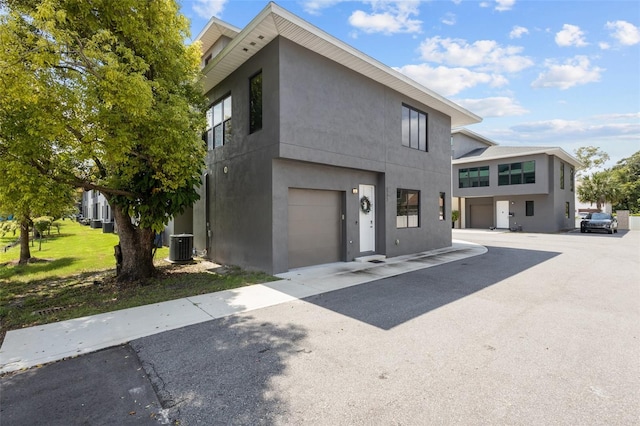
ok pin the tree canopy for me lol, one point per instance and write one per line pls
(102, 95)
(591, 158)
(626, 174)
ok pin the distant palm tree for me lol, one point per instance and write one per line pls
(598, 188)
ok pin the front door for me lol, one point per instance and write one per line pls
(502, 214)
(367, 218)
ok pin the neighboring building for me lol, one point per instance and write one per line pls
(95, 208)
(316, 152)
(519, 188)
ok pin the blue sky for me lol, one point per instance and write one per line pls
(540, 73)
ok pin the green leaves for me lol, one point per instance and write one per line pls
(102, 95)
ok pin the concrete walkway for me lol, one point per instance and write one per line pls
(29, 347)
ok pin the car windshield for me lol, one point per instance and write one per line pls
(599, 216)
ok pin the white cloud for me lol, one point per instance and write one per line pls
(625, 32)
(487, 55)
(485, 4)
(315, 6)
(500, 106)
(518, 31)
(591, 127)
(570, 35)
(504, 5)
(449, 81)
(388, 17)
(604, 46)
(573, 72)
(449, 19)
(209, 8)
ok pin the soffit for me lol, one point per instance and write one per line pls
(275, 21)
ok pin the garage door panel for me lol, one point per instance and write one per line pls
(314, 227)
(481, 216)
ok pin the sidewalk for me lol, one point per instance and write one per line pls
(38, 345)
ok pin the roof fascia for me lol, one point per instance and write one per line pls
(557, 152)
(432, 99)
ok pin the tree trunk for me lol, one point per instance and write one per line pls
(136, 248)
(25, 252)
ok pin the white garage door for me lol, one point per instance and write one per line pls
(314, 227)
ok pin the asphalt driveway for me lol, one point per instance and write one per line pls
(542, 329)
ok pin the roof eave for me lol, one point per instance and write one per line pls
(274, 21)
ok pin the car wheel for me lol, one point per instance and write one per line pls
(582, 229)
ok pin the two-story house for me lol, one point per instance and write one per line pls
(519, 188)
(317, 153)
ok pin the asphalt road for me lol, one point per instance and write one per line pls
(542, 329)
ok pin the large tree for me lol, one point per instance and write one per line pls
(591, 157)
(101, 94)
(599, 188)
(626, 174)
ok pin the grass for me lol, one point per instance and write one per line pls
(74, 276)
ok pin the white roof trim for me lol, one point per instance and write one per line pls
(474, 135)
(274, 21)
(558, 152)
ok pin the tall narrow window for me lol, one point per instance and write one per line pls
(572, 177)
(441, 207)
(408, 208)
(528, 208)
(218, 131)
(255, 103)
(414, 129)
(561, 175)
(567, 209)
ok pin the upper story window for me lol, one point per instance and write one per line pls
(572, 176)
(517, 173)
(414, 128)
(473, 177)
(561, 175)
(218, 130)
(408, 208)
(441, 208)
(255, 103)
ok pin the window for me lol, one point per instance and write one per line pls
(473, 177)
(255, 103)
(572, 176)
(408, 208)
(517, 173)
(567, 209)
(528, 208)
(561, 175)
(218, 130)
(441, 206)
(414, 128)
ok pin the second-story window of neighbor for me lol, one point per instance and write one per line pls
(255, 103)
(414, 128)
(473, 177)
(517, 173)
(561, 175)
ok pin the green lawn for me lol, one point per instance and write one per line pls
(74, 276)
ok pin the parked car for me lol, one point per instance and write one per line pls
(599, 222)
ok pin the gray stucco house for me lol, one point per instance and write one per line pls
(520, 188)
(317, 153)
